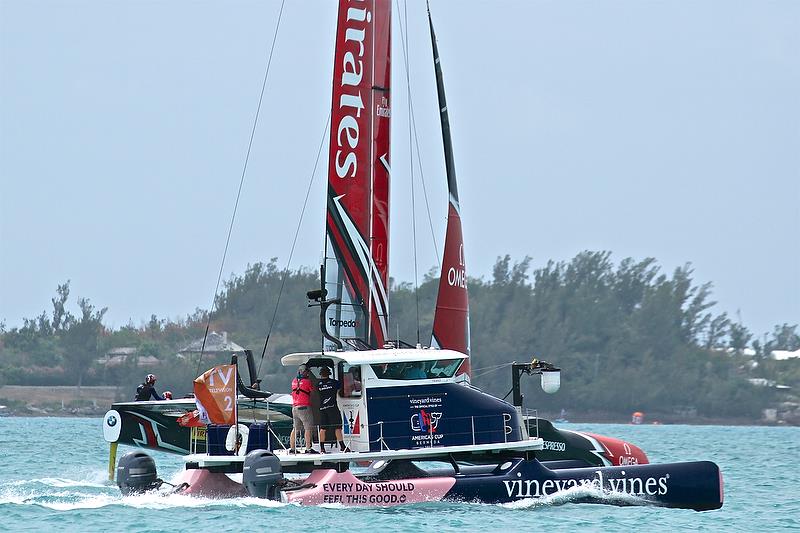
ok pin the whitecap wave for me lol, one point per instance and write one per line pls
(577, 494)
(66, 483)
(68, 500)
(97, 479)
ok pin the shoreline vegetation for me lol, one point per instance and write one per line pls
(627, 337)
(93, 402)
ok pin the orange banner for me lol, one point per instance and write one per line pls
(215, 392)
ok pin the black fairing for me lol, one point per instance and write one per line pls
(136, 473)
(262, 475)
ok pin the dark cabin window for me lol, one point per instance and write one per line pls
(441, 368)
(350, 378)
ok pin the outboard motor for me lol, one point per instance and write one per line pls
(136, 473)
(261, 475)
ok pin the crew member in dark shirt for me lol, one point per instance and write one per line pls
(329, 414)
(147, 390)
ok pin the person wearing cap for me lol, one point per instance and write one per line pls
(329, 414)
(147, 390)
(302, 415)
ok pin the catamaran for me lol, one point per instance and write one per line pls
(409, 412)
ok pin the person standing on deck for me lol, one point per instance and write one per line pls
(147, 390)
(302, 417)
(329, 414)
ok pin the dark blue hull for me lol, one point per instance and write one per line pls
(691, 485)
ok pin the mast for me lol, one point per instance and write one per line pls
(357, 221)
(451, 319)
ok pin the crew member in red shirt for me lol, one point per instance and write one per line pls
(302, 415)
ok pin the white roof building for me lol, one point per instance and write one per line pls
(783, 355)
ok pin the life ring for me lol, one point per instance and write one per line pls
(230, 439)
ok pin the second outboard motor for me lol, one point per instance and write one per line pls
(261, 475)
(136, 473)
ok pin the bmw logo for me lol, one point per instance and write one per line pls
(111, 421)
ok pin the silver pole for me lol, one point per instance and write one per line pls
(473, 429)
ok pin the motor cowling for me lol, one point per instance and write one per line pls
(262, 475)
(136, 473)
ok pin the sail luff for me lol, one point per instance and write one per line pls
(451, 318)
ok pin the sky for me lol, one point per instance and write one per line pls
(646, 128)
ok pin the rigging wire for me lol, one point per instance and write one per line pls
(477, 372)
(411, 157)
(413, 123)
(424, 188)
(294, 243)
(241, 183)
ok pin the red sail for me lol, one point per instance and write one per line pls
(451, 320)
(357, 225)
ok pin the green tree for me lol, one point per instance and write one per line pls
(739, 337)
(61, 317)
(785, 337)
(81, 339)
(718, 328)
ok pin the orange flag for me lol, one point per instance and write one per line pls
(215, 394)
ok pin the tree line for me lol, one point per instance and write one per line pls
(627, 336)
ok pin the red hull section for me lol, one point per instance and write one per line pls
(620, 452)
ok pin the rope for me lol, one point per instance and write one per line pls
(294, 243)
(476, 372)
(413, 126)
(404, 39)
(241, 183)
(424, 188)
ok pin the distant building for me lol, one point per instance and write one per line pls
(747, 352)
(763, 382)
(123, 355)
(783, 355)
(216, 343)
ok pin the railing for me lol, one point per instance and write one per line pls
(526, 415)
(480, 429)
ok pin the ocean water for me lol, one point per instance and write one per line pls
(53, 477)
